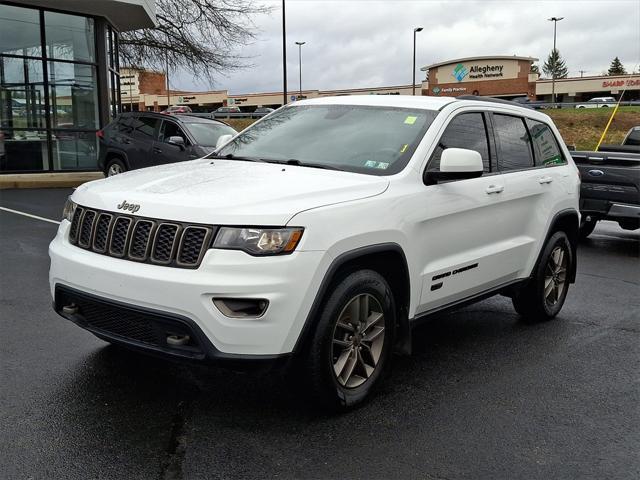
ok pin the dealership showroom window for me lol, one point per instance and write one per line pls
(49, 95)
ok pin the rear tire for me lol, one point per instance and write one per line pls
(542, 297)
(586, 228)
(115, 166)
(350, 349)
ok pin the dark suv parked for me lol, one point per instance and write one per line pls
(138, 140)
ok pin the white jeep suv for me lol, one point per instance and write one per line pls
(321, 235)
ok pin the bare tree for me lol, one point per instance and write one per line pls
(198, 35)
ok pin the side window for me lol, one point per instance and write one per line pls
(545, 145)
(144, 127)
(124, 124)
(467, 130)
(170, 129)
(515, 150)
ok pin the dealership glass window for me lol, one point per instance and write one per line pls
(515, 145)
(20, 31)
(73, 95)
(69, 37)
(113, 75)
(22, 100)
(49, 98)
(24, 150)
(74, 150)
(545, 145)
(467, 130)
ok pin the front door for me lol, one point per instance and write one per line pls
(165, 152)
(463, 246)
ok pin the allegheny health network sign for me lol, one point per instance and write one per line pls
(475, 71)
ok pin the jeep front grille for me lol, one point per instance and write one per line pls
(139, 239)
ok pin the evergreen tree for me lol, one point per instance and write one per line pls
(534, 69)
(616, 68)
(555, 66)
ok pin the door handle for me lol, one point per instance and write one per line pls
(156, 150)
(546, 179)
(494, 189)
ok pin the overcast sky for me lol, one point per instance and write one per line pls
(367, 43)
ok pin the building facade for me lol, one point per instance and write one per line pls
(145, 90)
(499, 76)
(60, 79)
(581, 89)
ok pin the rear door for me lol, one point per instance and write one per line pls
(534, 168)
(144, 130)
(164, 152)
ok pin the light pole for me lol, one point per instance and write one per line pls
(555, 21)
(284, 55)
(413, 83)
(300, 63)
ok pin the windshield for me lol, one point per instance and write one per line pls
(207, 134)
(364, 139)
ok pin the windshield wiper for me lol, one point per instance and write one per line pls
(298, 163)
(231, 156)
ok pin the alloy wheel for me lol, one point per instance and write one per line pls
(358, 340)
(555, 278)
(114, 169)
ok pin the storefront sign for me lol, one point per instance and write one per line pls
(481, 70)
(438, 90)
(629, 82)
(477, 72)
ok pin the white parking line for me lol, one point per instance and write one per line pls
(29, 215)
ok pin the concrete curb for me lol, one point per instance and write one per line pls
(47, 180)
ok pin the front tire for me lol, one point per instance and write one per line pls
(351, 347)
(115, 166)
(543, 296)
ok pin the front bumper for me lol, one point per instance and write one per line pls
(146, 330)
(184, 296)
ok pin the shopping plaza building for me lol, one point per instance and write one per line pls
(505, 77)
(60, 82)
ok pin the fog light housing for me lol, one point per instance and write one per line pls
(241, 307)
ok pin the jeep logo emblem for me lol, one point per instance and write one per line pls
(132, 207)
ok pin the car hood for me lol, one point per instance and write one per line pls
(228, 192)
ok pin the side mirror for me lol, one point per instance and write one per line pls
(222, 140)
(456, 164)
(177, 141)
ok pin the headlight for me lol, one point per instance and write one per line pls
(69, 209)
(258, 241)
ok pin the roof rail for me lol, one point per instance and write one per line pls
(488, 99)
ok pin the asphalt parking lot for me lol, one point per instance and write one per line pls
(484, 395)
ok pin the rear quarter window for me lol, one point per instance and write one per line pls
(546, 149)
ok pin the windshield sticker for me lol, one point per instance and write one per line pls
(378, 165)
(410, 120)
(404, 148)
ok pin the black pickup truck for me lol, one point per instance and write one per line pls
(610, 189)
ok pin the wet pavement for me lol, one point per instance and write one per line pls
(483, 396)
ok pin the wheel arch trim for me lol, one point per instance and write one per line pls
(403, 334)
(573, 216)
(113, 152)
